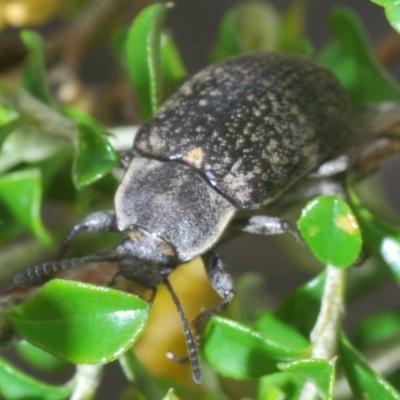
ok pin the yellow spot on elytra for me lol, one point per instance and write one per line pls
(195, 156)
(347, 223)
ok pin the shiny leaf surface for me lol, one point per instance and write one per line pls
(81, 323)
(392, 11)
(321, 372)
(239, 352)
(330, 229)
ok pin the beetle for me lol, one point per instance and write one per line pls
(229, 142)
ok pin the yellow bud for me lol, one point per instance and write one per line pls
(164, 331)
(20, 13)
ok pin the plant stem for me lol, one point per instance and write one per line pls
(325, 332)
(87, 379)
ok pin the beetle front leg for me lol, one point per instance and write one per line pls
(222, 283)
(101, 221)
(267, 225)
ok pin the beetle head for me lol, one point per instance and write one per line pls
(146, 258)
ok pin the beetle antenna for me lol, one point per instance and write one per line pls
(190, 341)
(40, 271)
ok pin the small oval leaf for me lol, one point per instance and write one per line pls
(253, 26)
(275, 329)
(21, 191)
(278, 386)
(361, 377)
(376, 328)
(239, 352)
(321, 372)
(354, 62)
(15, 385)
(143, 52)
(34, 73)
(81, 323)
(380, 236)
(39, 358)
(329, 227)
(95, 157)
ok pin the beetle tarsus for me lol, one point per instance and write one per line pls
(267, 225)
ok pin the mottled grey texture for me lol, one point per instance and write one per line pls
(171, 201)
(252, 125)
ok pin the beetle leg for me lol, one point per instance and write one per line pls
(41, 272)
(332, 167)
(125, 158)
(222, 283)
(267, 225)
(191, 342)
(101, 221)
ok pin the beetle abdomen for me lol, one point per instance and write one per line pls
(252, 125)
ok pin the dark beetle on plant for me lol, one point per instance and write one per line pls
(233, 139)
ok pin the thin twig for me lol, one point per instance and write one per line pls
(388, 49)
(325, 332)
(87, 379)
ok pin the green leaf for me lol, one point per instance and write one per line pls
(239, 352)
(281, 385)
(376, 328)
(34, 74)
(307, 297)
(382, 237)
(361, 377)
(81, 323)
(143, 52)
(6, 114)
(173, 69)
(145, 383)
(330, 229)
(392, 11)
(40, 359)
(294, 21)
(171, 395)
(321, 372)
(94, 158)
(21, 191)
(246, 303)
(354, 63)
(276, 330)
(254, 26)
(8, 128)
(15, 385)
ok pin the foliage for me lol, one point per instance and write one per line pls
(52, 152)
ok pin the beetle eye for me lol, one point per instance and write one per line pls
(125, 247)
